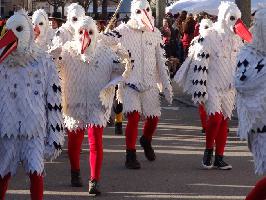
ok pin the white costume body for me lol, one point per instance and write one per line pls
(88, 84)
(30, 107)
(212, 64)
(40, 19)
(250, 82)
(141, 91)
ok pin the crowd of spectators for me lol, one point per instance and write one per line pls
(178, 31)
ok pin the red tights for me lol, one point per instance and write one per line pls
(149, 128)
(36, 186)
(216, 133)
(203, 116)
(259, 191)
(75, 139)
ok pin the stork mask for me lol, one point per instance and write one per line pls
(259, 40)
(40, 24)
(141, 14)
(229, 17)
(75, 13)
(86, 36)
(18, 36)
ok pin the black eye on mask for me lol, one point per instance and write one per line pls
(74, 19)
(41, 23)
(138, 11)
(90, 32)
(148, 9)
(232, 18)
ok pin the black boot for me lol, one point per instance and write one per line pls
(118, 128)
(131, 160)
(94, 188)
(220, 164)
(148, 150)
(207, 159)
(76, 179)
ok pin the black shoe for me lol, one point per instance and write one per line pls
(94, 188)
(207, 159)
(118, 128)
(148, 150)
(220, 164)
(76, 179)
(131, 160)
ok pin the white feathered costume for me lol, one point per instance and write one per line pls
(214, 63)
(75, 13)
(43, 32)
(89, 78)
(31, 124)
(141, 92)
(250, 82)
(185, 74)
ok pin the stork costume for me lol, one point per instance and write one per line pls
(211, 80)
(75, 13)
(43, 32)
(90, 71)
(184, 75)
(31, 124)
(251, 104)
(141, 94)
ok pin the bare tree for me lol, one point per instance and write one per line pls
(95, 8)
(56, 4)
(160, 12)
(245, 8)
(104, 9)
(85, 4)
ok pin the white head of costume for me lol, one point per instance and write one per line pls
(141, 15)
(86, 36)
(40, 23)
(75, 13)
(229, 21)
(259, 30)
(19, 35)
(205, 24)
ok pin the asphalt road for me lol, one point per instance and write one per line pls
(176, 174)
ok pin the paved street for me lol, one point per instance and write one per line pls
(176, 174)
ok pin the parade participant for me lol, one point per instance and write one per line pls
(140, 92)
(183, 76)
(30, 107)
(90, 71)
(250, 85)
(211, 80)
(43, 32)
(75, 12)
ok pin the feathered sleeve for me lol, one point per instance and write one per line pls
(164, 84)
(199, 74)
(250, 83)
(108, 92)
(55, 135)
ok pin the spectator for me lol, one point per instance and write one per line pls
(188, 30)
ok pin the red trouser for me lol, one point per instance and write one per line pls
(216, 133)
(203, 116)
(75, 139)
(149, 128)
(259, 191)
(36, 186)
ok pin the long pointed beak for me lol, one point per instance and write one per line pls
(8, 43)
(37, 31)
(86, 41)
(147, 21)
(243, 32)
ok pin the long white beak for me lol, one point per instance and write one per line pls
(146, 20)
